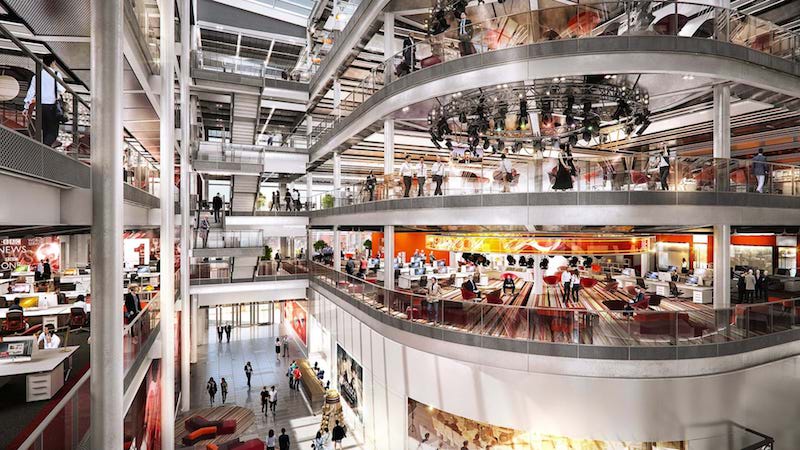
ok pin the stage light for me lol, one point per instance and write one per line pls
(587, 107)
(643, 126)
(448, 143)
(572, 139)
(485, 143)
(517, 147)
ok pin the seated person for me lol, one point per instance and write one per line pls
(15, 306)
(80, 302)
(508, 284)
(320, 374)
(472, 287)
(49, 337)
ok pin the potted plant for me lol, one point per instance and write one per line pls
(327, 201)
(319, 245)
(267, 253)
(368, 247)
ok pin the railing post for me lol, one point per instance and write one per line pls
(75, 124)
(38, 134)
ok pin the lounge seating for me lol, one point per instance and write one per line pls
(237, 444)
(222, 426)
(494, 297)
(200, 434)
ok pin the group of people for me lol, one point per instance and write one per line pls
(330, 440)
(752, 286)
(357, 268)
(291, 200)
(409, 170)
(43, 271)
(224, 329)
(571, 282)
(211, 388)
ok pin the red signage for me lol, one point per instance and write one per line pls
(30, 252)
(294, 313)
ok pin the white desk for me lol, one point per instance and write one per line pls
(42, 312)
(700, 294)
(48, 297)
(44, 372)
(404, 281)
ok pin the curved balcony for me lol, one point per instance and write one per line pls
(640, 334)
(689, 38)
(603, 191)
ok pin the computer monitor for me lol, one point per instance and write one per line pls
(672, 269)
(22, 268)
(143, 269)
(652, 275)
(16, 349)
(694, 279)
(414, 264)
(21, 288)
(419, 271)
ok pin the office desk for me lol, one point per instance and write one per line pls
(404, 281)
(700, 294)
(44, 372)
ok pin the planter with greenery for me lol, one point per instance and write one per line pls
(327, 201)
(368, 247)
(267, 253)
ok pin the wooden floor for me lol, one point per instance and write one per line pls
(245, 418)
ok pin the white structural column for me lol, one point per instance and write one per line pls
(722, 266)
(106, 237)
(186, 304)
(388, 43)
(194, 331)
(388, 146)
(167, 235)
(538, 275)
(337, 248)
(309, 188)
(645, 263)
(722, 121)
(388, 257)
(337, 178)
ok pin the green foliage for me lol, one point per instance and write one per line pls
(267, 253)
(327, 201)
(319, 245)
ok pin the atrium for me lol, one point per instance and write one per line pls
(400, 224)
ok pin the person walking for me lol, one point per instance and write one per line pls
(272, 395)
(296, 199)
(370, 185)
(740, 287)
(575, 281)
(506, 171)
(219, 333)
(211, 388)
(204, 230)
(317, 443)
(248, 372)
(285, 344)
(566, 279)
(437, 174)
(278, 349)
(272, 441)
(290, 374)
(264, 400)
(287, 197)
(297, 377)
(327, 442)
(51, 92)
(663, 169)
(278, 261)
(216, 204)
(228, 329)
(223, 385)
(434, 294)
(422, 173)
(760, 169)
(276, 201)
(407, 173)
(338, 435)
(750, 286)
(283, 440)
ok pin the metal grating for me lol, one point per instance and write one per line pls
(54, 17)
(24, 156)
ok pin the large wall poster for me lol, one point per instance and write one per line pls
(296, 315)
(30, 251)
(350, 378)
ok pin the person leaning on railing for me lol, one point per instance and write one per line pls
(434, 295)
(51, 91)
(370, 185)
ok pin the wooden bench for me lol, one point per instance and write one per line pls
(312, 387)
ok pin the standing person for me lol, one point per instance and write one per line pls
(211, 388)
(763, 292)
(760, 169)
(278, 349)
(204, 230)
(285, 342)
(437, 173)
(434, 294)
(287, 197)
(264, 400)
(272, 395)
(290, 374)
(327, 442)
(566, 279)
(370, 185)
(51, 91)
(575, 280)
(407, 173)
(216, 204)
(506, 171)
(276, 201)
(278, 261)
(663, 168)
(318, 442)
(248, 372)
(563, 179)
(223, 385)
(283, 440)
(296, 199)
(740, 287)
(228, 329)
(272, 442)
(297, 377)
(684, 266)
(464, 446)
(339, 433)
(750, 286)
(422, 173)
(220, 330)
(46, 271)
(132, 302)
(464, 35)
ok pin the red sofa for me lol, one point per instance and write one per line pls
(223, 426)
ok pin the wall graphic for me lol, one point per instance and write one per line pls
(350, 378)
(31, 251)
(296, 314)
(448, 431)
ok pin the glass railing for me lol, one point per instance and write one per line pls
(211, 272)
(219, 62)
(139, 329)
(608, 327)
(622, 18)
(234, 239)
(268, 269)
(635, 173)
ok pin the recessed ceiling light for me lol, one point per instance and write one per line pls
(405, 109)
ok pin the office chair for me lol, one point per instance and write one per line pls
(15, 323)
(78, 320)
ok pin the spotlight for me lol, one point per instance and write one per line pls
(448, 143)
(517, 147)
(587, 107)
(643, 126)
(522, 123)
(572, 139)
(485, 143)
(500, 145)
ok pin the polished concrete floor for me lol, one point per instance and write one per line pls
(227, 359)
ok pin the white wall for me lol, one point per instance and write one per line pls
(226, 294)
(28, 202)
(764, 398)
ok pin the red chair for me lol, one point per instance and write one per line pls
(611, 286)
(466, 294)
(588, 283)
(15, 323)
(644, 303)
(494, 297)
(78, 320)
(638, 177)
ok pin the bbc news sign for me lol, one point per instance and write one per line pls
(30, 251)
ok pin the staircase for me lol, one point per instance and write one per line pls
(245, 190)
(245, 116)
